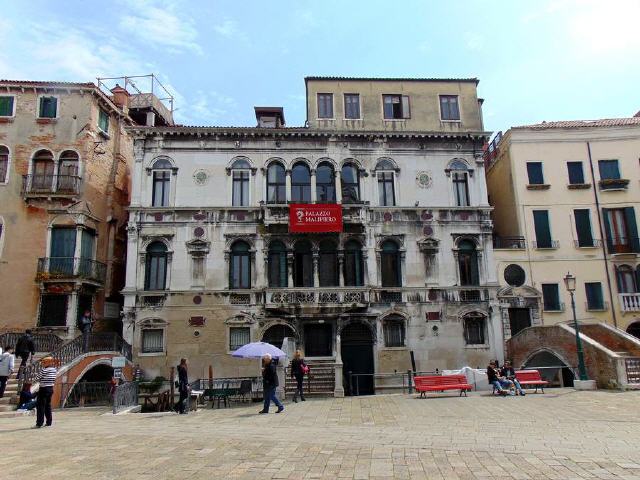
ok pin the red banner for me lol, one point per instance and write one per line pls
(319, 217)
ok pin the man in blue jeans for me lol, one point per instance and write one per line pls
(269, 384)
(501, 384)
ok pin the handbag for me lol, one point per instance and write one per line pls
(305, 369)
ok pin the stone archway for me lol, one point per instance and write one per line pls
(276, 333)
(551, 367)
(634, 329)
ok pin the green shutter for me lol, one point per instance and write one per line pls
(6, 106)
(607, 230)
(632, 229)
(583, 227)
(543, 232)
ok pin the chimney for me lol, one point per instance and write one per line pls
(120, 97)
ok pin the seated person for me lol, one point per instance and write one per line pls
(27, 399)
(499, 382)
(510, 374)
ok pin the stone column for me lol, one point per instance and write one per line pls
(136, 181)
(341, 269)
(288, 184)
(338, 186)
(72, 313)
(290, 269)
(480, 179)
(316, 273)
(338, 389)
(313, 186)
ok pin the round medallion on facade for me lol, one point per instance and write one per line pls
(197, 299)
(200, 177)
(426, 215)
(424, 179)
(387, 216)
(514, 275)
(198, 232)
(463, 216)
(428, 231)
(158, 217)
(199, 216)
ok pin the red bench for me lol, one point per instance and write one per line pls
(531, 377)
(440, 383)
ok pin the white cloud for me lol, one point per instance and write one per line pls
(474, 41)
(160, 24)
(227, 28)
(204, 108)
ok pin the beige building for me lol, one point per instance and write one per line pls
(566, 198)
(65, 161)
(407, 280)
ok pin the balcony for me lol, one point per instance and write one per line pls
(276, 214)
(594, 243)
(69, 268)
(546, 244)
(510, 243)
(596, 307)
(316, 299)
(623, 245)
(62, 186)
(629, 302)
(613, 184)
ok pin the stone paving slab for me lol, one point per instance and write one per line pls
(560, 435)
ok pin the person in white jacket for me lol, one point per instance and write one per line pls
(7, 361)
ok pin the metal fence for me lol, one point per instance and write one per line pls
(361, 382)
(125, 395)
(43, 342)
(86, 394)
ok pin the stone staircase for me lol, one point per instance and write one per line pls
(319, 383)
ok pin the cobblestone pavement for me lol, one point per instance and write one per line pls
(562, 434)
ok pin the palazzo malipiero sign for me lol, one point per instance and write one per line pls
(320, 217)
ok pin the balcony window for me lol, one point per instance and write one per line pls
(277, 264)
(240, 267)
(156, 266)
(302, 264)
(576, 173)
(595, 300)
(583, 227)
(627, 279)
(42, 171)
(300, 183)
(152, 340)
(161, 183)
(68, 171)
(449, 109)
(48, 107)
(350, 182)
(468, 263)
(351, 106)
(276, 184)
(534, 172)
(325, 184)
(353, 264)
(551, 297)
(4, 163)
(328, 264)
(542, 229)
(474, 329)
(394, 331)
(390, 264)
(325, 105)
(238, 337)
(62, 252)
(240, 174)
(385, 171)
(621, 230)
(609, 169)
(396, 107)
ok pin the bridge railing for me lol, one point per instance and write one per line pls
(125, 396)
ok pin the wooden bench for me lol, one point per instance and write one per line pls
(440, 383)
(531, 377)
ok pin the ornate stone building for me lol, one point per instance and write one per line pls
(405, 276)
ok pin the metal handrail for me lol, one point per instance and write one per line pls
(125, 396)
(43, 342)
(50, 268)
(54, 184)
(80, 394)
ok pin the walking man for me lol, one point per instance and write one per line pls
(269, 384)
(47, 379)
(25, 347)
(7, 361)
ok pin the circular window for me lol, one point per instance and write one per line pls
(514, 275)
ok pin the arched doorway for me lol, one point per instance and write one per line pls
(357, 358)
(276, 334)
(552, 369)
(634, 329)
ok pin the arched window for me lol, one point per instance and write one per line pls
(325, 184)
(240, 175)
(328, 264)
(240, 267)
(68, 171)
(390, 264)
(300, 183)
(385, 171)
(276, 334)
(394, 331)
(627, 282)
(474, 325)
(302, 264)
(156, 267)
(350, 180)
(277, 264)
(468, 263)
(42, 172)
(4, 163)
(460, 179)
(353, 264)
(161, 182)
(276, 184)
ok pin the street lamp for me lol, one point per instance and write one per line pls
(570, 284)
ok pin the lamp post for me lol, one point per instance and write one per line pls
(570, 284)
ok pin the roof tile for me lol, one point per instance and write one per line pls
(604, 122)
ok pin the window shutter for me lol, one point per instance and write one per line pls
(637, 278)
(406, 110)
(607, 230)
(583, 227)
(632, 229)
(543, 232)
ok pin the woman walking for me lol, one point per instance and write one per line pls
(298, 371)
(183, 386)
(47, 380)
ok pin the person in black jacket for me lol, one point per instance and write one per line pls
(298, 370)
(183, 386)
(510, 374)
(501, 384)
(25, 347)
(269, 384)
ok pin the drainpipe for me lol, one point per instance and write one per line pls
(602, 236)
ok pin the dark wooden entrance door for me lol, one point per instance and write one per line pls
(519, 318)
(357, 358)
(318, 340)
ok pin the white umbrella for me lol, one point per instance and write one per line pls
(258, 350)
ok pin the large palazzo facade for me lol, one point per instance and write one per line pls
(407, 280)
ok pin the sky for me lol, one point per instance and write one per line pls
(536, 60)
